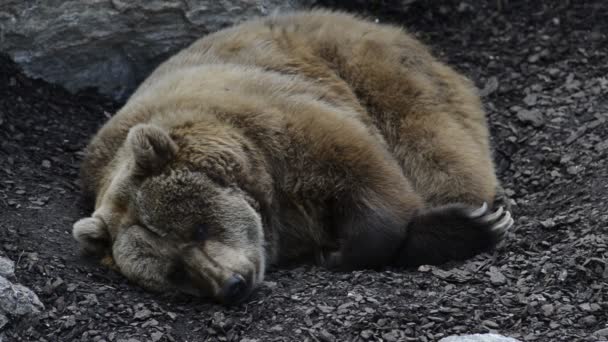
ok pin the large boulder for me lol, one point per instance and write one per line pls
(113, 44)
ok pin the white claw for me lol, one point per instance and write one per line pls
(480, 211)
(495, 215)
(504, 224)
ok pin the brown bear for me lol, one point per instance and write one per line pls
(310, 136)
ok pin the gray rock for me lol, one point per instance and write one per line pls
(496, 277)
(601, 332)
(113, 44)
(534, 117)
(7, 267)
(3, 321)
(478, 338)
(490, 87)
(18, 300)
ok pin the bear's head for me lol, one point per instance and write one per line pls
(183, 211)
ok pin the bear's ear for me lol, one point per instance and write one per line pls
(92, 234)
(152, 147)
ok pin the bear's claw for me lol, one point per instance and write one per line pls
(480, 211)
(500, 220)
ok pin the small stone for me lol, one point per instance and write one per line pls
(91, 299)
(269, 284)
(366, 334)
(547, 309)
(548, 223)
(326, 336)
(3, 320)
(325, 308)
(496, 277)
(424, 268)
(7, 267)
(152, 322)
(345, 306)
(575, 169)
(595, 307)
(46, 164)
(585, 307)
(589, 320)
(490, 324)
(392, 336)
(599, 147)
(143, 314)
(601, 332)
(490, 87)
(276, 328)
(69, 322)
(534, 58)
(533, 117)
(381, 322)
(530, 99)
(156, 336)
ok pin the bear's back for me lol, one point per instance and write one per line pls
(378, 74)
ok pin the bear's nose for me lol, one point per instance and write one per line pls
(235, 289)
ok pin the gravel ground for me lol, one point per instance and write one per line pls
(544, 77)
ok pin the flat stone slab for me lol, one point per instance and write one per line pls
(479, 338)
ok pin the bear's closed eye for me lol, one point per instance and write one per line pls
(201, 232)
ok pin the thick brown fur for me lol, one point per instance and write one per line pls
(336, 134)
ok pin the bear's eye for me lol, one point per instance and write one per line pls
(200, 232)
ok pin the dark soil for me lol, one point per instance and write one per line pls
(543, 72)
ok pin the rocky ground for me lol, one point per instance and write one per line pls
(542, 69)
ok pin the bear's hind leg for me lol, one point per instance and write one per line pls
(453, 172)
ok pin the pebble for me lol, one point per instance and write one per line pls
(276, 328)
(366, 334)
(601, 332)
(69, 322)
(7, 267)
(533, 117)
(143, 314)
(490, 324)
(547, 309)
(3, 321)
(496, 277)
(590, 320)
(156, 336)
(326, 336)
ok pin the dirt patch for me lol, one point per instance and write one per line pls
(543, 73)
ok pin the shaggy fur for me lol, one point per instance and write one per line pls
(308, 136)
